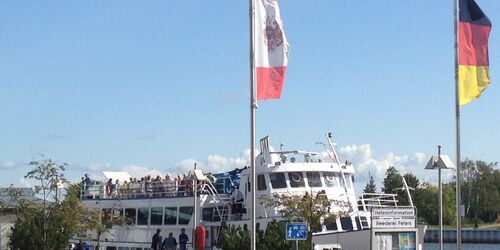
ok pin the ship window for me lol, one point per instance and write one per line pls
(399, 240)
(277, 180)
(130, 214)
(346, 223)
(330, 179)
(360, 206)
(185, 214)
(296, 179)
(348, 179)
(332, 226)
(364, 221)
(358, 222)
(342, 183)
(170, 216)
(123, 248)
(143, 216)
(313, 179)
(156, 215)
(117, 212)
(261, 182)
(110, 248)
(207, 214)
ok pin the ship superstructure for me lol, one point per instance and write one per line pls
(170, 204)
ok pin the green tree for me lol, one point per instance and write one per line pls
(392, 180)
(480, 190)
(469, 174)
(413, 184)
(449, 204)
(51, 222)
(101, 221)
(309, 208)
(427, 204)
(274, 237)
(370, 186)
(234, 237)
(487, 191)
(393, 183)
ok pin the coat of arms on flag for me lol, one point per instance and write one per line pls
(274, 35)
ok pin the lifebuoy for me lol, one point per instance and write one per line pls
(330, 179)
(296, 177)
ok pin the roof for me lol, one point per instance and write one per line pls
(7, 200)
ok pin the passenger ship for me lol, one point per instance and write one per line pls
(152, 206)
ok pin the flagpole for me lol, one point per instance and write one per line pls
(457, 120)
(253, 107)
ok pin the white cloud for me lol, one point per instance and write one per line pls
(214, 164)
(183, 166)
(140, 171)
(365, 162)
(9, 165)
(99, 166)
(23, 182)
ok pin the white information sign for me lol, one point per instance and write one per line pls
(393, 223)
(393, 212)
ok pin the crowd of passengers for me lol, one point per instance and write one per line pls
(147, 186)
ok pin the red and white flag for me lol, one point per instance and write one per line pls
(271, 50)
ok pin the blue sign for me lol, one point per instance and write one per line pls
(296, 231)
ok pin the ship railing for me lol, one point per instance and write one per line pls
(139, 190)
(221, 211)
(156, 189)
(236, 209)
(368, 201)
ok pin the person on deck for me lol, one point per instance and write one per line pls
(236, 201)
(212, 178)
(82, 245)
(109, 187)
(87, 181)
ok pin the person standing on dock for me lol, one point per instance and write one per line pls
(169, 243)
(183, 239)
(156, 242)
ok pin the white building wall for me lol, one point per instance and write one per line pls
(6, 222)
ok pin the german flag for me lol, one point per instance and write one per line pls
(473, 63)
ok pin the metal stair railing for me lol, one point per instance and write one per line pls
(371, 200)
(219, 199)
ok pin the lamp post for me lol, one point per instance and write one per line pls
(440, 162)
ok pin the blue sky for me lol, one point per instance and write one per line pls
(157, 85)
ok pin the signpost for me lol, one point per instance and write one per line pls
(394, 228)
(296, 231)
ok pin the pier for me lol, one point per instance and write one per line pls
(468, 236)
